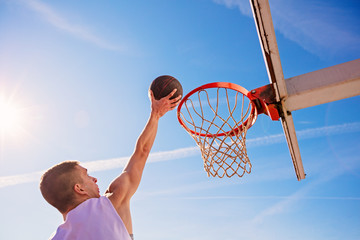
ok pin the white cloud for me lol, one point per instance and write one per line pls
(288, 202)
(68, 26)
(318, 27)
(243, 5)
(282, 206)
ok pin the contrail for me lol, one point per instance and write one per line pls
(113, 163)
(271, 197)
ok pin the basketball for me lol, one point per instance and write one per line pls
(164, 85)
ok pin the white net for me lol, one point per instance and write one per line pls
(218, 126)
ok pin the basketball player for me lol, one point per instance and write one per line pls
(87, 215)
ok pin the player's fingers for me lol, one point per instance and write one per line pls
(177, 99)
(174, 104)
(171, 94)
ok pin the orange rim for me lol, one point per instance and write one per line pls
(219, 85)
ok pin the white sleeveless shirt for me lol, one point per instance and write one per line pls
(94, 219)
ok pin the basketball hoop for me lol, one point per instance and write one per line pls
(217, 116)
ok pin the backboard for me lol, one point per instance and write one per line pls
(310, 89)
(266, 33)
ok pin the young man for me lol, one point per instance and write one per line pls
(87, 215)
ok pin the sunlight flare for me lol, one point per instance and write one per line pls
(10, 117)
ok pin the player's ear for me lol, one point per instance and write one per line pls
(79, 189)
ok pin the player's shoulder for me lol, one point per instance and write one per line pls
(52, 236)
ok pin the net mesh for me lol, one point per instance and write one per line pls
(219, 126)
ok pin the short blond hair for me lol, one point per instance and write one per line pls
(57, 185)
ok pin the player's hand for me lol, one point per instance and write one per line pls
(165, 104)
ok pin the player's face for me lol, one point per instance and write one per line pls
(89, 183)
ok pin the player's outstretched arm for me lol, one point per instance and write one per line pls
(124, 186)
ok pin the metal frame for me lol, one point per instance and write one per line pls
(310, 89)
(266, 32)
(323, 86)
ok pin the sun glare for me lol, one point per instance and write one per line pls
(10, 117)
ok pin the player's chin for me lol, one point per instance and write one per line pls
(96, 193)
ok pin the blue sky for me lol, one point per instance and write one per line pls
(79, 72)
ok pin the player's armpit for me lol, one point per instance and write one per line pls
(118, 190)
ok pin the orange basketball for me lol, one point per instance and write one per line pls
(163, 85)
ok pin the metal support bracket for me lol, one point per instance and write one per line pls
(264, 99)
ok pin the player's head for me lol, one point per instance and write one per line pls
(67, 183)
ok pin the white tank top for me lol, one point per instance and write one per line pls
(96, 218)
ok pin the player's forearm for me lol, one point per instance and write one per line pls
(143, 146)
(148, 135)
